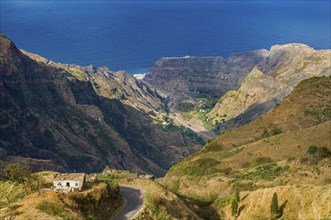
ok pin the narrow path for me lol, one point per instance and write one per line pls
(133, 203)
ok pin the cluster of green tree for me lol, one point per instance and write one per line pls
(21, 173)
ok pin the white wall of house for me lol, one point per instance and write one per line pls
(67, 184)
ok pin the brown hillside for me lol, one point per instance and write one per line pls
(287, 150)
(308, 104)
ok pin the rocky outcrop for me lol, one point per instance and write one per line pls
(268, 83)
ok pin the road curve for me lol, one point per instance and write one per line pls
(133, 202)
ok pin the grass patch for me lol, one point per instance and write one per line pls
(197, 167)
(54, 209)
(80, 75)
(266, 172)
(10, 192)
(187, 115)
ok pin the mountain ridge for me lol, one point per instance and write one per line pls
(61, 122)
(228, 83)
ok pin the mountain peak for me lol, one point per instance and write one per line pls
(7, 47)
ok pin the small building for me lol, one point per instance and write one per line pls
(69, 182)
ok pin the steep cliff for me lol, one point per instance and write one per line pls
(59, 118)
(181, 76)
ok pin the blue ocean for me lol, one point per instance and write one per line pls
(132, 35)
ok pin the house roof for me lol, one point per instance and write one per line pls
(70, 176)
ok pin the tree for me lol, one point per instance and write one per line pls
(237, 194)
(18, 172)
(274, 206)
(234, 207)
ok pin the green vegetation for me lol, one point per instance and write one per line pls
(157, 207)
(54, 209)
(110, 179)
(276, 131)
(319, 113)
(189, 133)
(266, 133)
(197, 167)
(274, 209)
(171, 127)
(319, 152)
(10, 192)
(18, 172)
(266, 172)
(184, 106)
(234, 207)
(187, 115)
(80, 75)
(21, 173)
(237, 194)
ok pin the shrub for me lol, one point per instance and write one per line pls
(234, 207)
(274, 209)
(55, 209)
(227, 171)
(312, 149)
(171, 128)
(323, 152)
(265, 133)
(276, 131)
(237, 194)
(319, 152)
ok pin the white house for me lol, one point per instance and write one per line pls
(69, 182)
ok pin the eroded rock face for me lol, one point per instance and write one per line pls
(249, 83)
(64, 116)
(180, 76)
(268, 83)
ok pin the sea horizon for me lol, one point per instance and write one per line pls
(133, 35)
